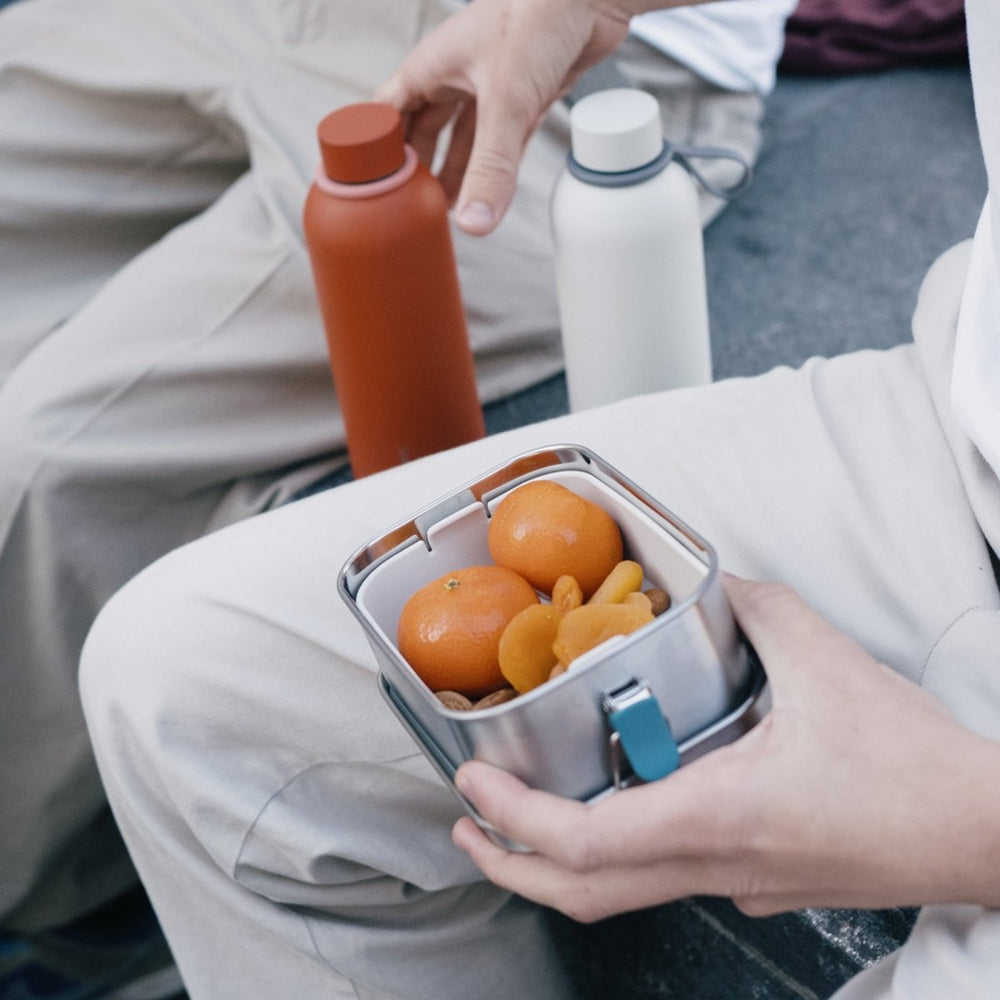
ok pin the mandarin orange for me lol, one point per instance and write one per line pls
(543, 530)
(449, 630)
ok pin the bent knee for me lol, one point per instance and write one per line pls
(134, 660)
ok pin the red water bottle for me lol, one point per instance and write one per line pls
(376, 226)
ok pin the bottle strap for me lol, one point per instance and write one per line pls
(671, 151)
(684, 154)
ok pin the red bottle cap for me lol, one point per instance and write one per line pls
(362, 142)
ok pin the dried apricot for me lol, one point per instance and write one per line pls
(526, 657)
(640, 601)
(591, 624)
(624, 579)
(566, 594)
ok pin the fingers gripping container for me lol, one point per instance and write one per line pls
(629, 711)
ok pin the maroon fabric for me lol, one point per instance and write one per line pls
(852, 36)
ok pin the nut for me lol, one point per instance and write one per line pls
(659, 599)
(453, 700)
(496, 698)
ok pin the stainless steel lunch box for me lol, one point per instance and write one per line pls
(630, 710)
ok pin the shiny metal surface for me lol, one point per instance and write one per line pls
(704, 677)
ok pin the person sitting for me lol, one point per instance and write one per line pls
(295, 841)
(163, 369)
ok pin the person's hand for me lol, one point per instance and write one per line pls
(857, 789)
(493, 69)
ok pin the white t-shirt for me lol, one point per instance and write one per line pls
(975, 384)
(735, 44)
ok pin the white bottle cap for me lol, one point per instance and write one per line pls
(616, 130)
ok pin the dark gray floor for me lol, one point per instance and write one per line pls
(861, 183)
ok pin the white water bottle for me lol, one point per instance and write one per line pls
(629, 257)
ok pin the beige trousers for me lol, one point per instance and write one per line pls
(162, 365)
(296, 843)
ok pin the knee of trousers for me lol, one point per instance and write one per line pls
(220, 648)
(158, 713)
(209, 708)
(123, 685)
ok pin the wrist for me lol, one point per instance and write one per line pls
(963, 856)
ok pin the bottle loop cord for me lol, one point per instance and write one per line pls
(683, 154)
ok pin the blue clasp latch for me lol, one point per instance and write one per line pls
(641, 731)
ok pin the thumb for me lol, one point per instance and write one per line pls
(786, 632)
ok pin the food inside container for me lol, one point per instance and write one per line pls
(686, 678)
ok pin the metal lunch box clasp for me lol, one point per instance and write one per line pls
(640, 733)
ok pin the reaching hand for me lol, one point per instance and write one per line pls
(493, 69)
(858, 789)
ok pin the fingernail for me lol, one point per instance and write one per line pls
(462, 833)
(476, 216)
(462, 782)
